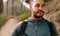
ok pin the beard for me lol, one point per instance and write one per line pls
(37, 16)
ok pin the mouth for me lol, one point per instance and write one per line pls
(40, 11)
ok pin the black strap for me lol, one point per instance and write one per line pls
(50, 25)
(52, 32)
(23, 28)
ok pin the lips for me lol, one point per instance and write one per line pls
(40, 11)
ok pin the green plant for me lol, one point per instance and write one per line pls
(24, 15)
(3, 19)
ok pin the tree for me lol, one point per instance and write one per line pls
(7, 6)
(1, 6)
(12, 7)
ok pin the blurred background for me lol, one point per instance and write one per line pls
(14, 11)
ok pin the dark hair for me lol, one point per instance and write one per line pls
(29, 1)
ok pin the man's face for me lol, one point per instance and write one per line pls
(37, 8)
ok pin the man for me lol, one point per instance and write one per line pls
(37, 25)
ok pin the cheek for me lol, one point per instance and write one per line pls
(34, 8)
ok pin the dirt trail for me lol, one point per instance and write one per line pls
(8, 27)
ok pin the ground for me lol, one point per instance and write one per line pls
(8, 27)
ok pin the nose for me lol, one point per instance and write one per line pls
(40, 8)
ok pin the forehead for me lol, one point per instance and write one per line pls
(38, 1)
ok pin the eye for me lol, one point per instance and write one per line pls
(37, 5)
(43, 5)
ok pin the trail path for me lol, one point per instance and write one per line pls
(8, 27)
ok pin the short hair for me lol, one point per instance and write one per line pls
(29, 1)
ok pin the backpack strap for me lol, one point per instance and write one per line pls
(50, 25)
(23, 28)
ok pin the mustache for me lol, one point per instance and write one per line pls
(40, 11)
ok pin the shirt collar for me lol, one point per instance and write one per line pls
(34, 21)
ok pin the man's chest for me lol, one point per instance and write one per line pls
(37, 30)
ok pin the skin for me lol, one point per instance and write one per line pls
(37, 9)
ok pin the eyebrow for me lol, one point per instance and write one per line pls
(38, 3)
(44, 4)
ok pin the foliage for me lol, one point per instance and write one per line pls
(24, 15)
(3, 19)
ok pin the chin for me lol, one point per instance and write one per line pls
(36, 16)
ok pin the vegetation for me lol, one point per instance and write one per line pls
(24, 15)
(1, 6)
(3, 19)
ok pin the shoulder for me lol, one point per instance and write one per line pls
(19, 24)
(49, 22)
(17, 27)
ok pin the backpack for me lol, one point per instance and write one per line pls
(24, 25)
